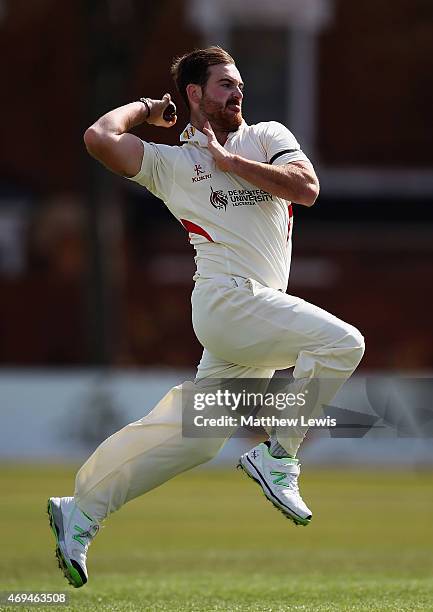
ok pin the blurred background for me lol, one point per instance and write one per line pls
(95, 283)
(95, 274)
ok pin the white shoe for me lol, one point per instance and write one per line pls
(279, 480)
(74, 532)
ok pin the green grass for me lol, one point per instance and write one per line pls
(209, 540)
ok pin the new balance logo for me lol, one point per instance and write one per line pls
(279, 480)
(77, 537)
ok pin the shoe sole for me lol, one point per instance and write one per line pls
(259, 479)
(70, 573)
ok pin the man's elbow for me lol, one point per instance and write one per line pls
(94, 141)
(310, 192)
(91, 139)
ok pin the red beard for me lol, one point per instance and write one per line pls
(219, 116)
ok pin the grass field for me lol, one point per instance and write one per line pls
(209, 540)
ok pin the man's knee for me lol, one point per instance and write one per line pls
(204, 449)
(352, 343)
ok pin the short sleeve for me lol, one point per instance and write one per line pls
(157, 169)
(280, 145)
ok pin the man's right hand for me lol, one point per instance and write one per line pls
(157, 108)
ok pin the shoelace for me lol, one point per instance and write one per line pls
(89, 534)
(292, 482)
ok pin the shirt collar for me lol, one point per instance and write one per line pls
(192, 134)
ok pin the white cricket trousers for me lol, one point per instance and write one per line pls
(248, 331)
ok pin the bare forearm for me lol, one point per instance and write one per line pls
(122, 119)
(108, 140)
(296, 182)
(118, 121)
(107, 130)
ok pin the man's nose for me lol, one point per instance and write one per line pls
(238, 94)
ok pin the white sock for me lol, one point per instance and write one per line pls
(276, 450)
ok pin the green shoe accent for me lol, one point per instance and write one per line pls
(280, 478)
(71, 574)
(76, 537)
(296, 520)
(286, 460)
(74, 577)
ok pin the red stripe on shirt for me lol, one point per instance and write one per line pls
(193, 228)
(290, 208)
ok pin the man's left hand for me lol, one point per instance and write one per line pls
(223, 158)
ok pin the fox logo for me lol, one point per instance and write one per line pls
(218, 199)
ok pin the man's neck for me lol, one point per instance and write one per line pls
(198, 122)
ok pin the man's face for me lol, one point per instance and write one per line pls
(221, 102)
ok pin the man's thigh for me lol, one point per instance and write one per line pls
(211, 366)
(258, 327)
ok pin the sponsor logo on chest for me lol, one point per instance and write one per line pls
(238, 197)
(218, 199)
(200, 174)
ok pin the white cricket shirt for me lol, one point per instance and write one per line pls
(235, 228)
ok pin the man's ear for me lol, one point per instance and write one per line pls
(194, 93)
